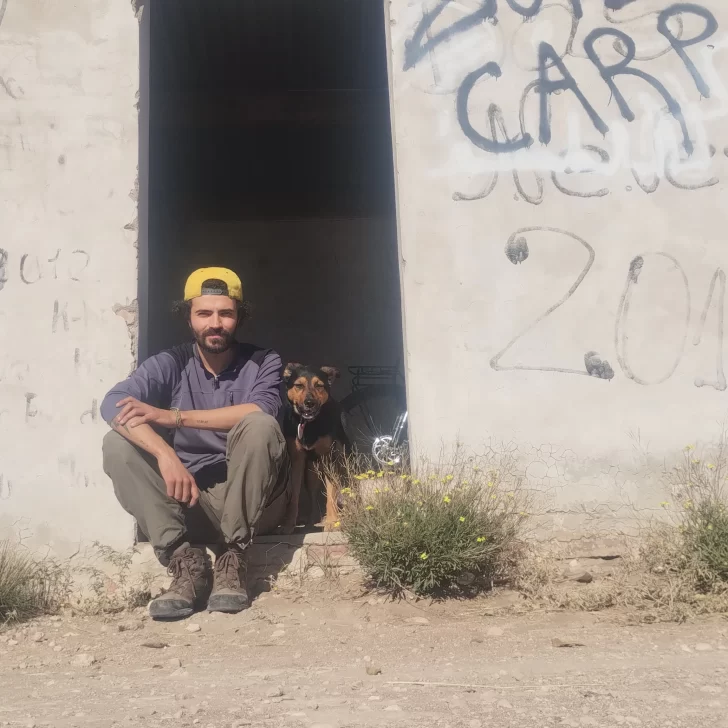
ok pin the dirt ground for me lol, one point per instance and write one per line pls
(318, 658)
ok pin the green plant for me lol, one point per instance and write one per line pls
(29, 586)
(700, 512)
(448, 528)
(116, 591)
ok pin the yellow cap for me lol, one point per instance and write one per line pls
(194, 286)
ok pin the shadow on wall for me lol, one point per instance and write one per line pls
(324, 291)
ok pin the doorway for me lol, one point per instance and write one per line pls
(270, 152)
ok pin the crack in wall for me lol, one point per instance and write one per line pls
(130, 315)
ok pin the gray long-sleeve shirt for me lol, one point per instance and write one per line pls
(177, 378)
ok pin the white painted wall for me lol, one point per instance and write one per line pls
(68, 157)
(465, 300)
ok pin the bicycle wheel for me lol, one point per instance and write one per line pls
(371, 413)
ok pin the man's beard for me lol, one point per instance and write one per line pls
(226, 341)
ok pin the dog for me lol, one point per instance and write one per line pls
(313, 429)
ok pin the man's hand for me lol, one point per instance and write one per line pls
(134, 413)
(180, 484)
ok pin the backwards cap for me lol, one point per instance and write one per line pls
(207, 282)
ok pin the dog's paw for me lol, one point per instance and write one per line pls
(287, 529)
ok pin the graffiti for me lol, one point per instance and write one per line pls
(553, 76)
(32, 270)
(6, 488)
(30, 409)
(595, 366)
(620, 336)
(672, 279)
(3, 268)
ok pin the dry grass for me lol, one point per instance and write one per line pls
(29, 587)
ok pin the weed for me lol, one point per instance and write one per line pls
(445, 529)
(29, 587)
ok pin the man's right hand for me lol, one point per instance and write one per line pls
(180, 484)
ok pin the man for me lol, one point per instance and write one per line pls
(219, 399)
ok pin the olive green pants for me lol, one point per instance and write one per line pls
(252, 500)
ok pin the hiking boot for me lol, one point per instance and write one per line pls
(230, 592)
(190, 569)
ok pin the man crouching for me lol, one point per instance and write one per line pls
(218, 399)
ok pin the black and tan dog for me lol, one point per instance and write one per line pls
(312, 428)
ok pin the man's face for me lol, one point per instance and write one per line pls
(213, 320)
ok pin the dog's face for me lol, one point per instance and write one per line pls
(308, 388)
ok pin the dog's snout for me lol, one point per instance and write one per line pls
(309, 402)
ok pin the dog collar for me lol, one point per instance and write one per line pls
(301, 426)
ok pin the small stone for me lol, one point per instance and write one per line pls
(504, 704)
(155, 644)
(129, 626)
(58, 648)
(494, 632)
(278, 633)
(193, 627)
(423, 621)
(374, 670)
(393, 708)
(312, 705)
(83, 660)
(275, 693)
(38, 637)
(12, 643)
(703, 647)
(174, 662)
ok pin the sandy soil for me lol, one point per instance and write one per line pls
(316, 658)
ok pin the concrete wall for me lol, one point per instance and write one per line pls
(557, 256)
(68, 262)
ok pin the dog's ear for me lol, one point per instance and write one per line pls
(290, 368)
(332, 373)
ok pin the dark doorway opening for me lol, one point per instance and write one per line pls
(270, 153)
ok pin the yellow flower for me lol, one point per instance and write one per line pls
(337, 524)
(448, 478)
(665, 504)
(695, 461)
(476, 468)
(462, 519)
(510, 495)
(480, 539)
(424, 556)
(688, 505)
(370, 508)
(490, 483)
(446, 499)
(377, 491)
(346, 491)
(404, 476)
(419, 503)
(380, 474)
(466, 482)
(405, 523)
(493, 497)
(386, 490)
(416, 482)
(710, 466)
(690, 447)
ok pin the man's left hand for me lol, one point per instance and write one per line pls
(135, 413)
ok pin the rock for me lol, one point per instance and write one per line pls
(494, 632)
(38, 637)
(584, 578)
(174, 663)
(560, 643)
(393, 709)
(193, 628)
(12, 643)
(58, 648)
(155, 644)
(278, 633)
(312, 705)
(275, 693)
(374, 670)
(703, 647)
(504, 704)
(83, 660)
(417, 620)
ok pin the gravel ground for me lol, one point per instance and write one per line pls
(320, 659)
